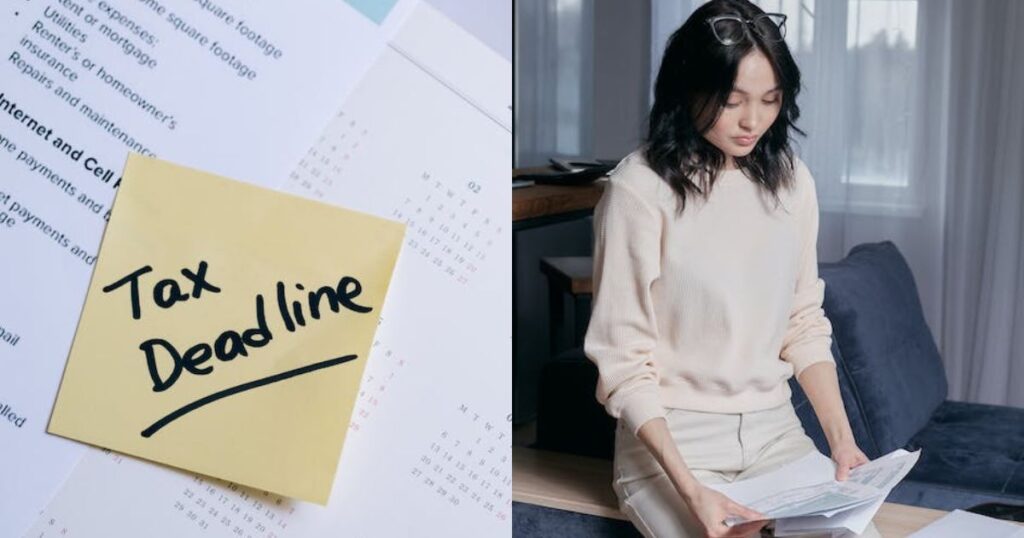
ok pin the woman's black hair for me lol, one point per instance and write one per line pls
(694, 82)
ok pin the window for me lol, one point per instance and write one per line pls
(859, 61)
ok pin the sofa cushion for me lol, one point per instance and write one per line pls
(972, 447)
(888, 351)
(944, 497)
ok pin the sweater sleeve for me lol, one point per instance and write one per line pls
(808, 338)
(623, 333)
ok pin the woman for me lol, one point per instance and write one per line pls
(707, 294)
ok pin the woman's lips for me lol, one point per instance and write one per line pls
(744, 140)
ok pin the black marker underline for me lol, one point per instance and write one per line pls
(156, 426)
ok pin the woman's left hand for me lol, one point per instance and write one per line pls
(847, 456)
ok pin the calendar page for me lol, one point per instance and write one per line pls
(238, 88)
(424, 139)
(113, 495)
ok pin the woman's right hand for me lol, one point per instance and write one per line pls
(709, 507)
(712, 508)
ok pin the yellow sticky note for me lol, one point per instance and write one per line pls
(226, 329)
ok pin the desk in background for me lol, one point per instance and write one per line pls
(536, 206)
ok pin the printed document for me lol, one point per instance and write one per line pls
(811, 489)
(233, 87)
(425, 140)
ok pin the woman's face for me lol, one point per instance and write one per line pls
(750, 110)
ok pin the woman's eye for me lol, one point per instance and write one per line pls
(731, 105)
(772, 102)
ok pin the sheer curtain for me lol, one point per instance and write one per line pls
(554, 73)
(984, 236)
(916, 135)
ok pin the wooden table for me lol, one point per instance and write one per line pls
(537, 205)
(583, 485)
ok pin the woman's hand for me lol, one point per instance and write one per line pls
(712, 508)
(709, 507)
(847, 456)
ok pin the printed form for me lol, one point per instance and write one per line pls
(812, 500)
(425, 139)
(234, 87)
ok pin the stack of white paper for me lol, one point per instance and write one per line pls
(813, 501)
(959, 523)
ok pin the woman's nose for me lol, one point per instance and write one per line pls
(751, 118)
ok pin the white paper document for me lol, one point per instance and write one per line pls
(235, 87)
(958, 524)
(425, 139)
(811, 493)
(854, 520)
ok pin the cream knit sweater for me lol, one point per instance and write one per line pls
(711, 311)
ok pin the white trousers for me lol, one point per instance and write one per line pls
(718, 448)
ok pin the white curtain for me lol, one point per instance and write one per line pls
(983, 319)
(915, 126)
(554, 74)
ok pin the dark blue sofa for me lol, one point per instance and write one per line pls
(892, 383)
(894, 388)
